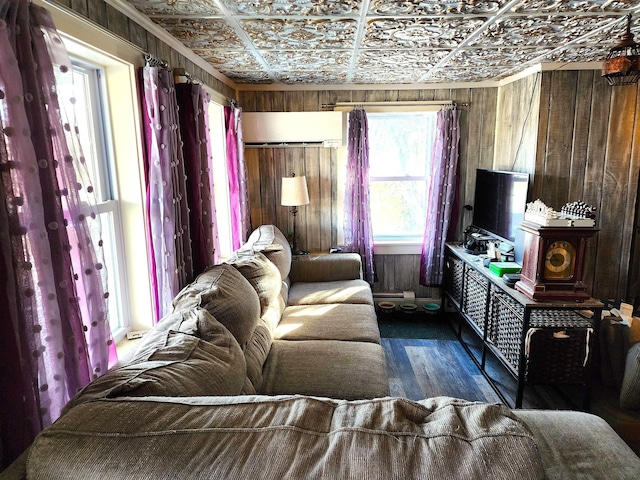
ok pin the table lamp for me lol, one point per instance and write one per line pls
(293, 194)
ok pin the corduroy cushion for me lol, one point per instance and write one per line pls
(270, 241)
(326, 368)
(227, 295)
(354, 322)
(179, 364)
(344, 291)
(256, 353)
(630, 391)
(289, 437)
(263, 276)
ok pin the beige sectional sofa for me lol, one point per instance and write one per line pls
(271, 367)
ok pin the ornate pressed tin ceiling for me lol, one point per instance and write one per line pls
(333, 42)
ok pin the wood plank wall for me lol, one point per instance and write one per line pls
(317, 223)
(588, 149)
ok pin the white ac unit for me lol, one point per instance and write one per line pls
(271, 129)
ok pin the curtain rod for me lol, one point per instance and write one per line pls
(394, 104)
(152, 61)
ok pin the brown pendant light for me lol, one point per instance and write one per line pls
(622, 65)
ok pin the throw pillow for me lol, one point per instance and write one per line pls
(630, 391)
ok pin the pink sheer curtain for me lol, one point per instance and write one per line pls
(54, 328)
(442, 197)
(183, 238)
(358, 232)
(237, 172)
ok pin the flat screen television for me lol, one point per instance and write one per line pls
(499, 205)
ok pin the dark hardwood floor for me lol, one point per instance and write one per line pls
(431, 362)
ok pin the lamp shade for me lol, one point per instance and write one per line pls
(294, 191)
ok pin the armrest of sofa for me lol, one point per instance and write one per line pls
(326, 267)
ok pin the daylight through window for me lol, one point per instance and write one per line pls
(400, 146)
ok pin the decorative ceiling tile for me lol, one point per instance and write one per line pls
(579, 54)
(177, 7)
(301, 34)
(258, 77)
(294, 60)
(543, 30)
(433, 7)
(306, 77)
(292, 7)
(582, 6)
(419, 33)
(201, 34)
(365, 77)
(497, 57)
(389, 41)
(404, 59)
(229, 61)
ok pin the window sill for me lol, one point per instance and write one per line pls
(397, 248)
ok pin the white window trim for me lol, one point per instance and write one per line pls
(384, 247)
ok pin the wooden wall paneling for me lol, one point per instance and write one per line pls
(117, 22)
(633, 288)
(559, 144)
(97, 11)
(280, 170)
(80, 6)
(65, 3)
(137, 33)
(311, 101)
(615, 233)
(580, 147)
(294, 101)
(247, 100)
(600, 107)
(408, 95)
(252, 162)
(543, 133)
(297, 165)
(327, 209)
(313, 210)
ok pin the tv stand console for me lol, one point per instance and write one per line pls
(548, 342)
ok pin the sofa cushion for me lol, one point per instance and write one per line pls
(630, 391)
(227, 295)
(270, 241)
(344, 291)
(263, 276)
(327, 368)
(256, 353)
(289, 437)
(356, 322)
(180, 365)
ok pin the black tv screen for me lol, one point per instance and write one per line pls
(500, 202)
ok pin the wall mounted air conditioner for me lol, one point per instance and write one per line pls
(282, 129)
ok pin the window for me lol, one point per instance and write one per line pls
(400, 146)
(95, 141)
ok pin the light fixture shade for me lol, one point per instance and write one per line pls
(622, 65)
(294, 191)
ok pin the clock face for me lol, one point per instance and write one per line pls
(559, 261)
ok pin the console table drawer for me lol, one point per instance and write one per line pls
(474, 300)
(506, 324)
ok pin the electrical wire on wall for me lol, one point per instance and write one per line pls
(526, 118)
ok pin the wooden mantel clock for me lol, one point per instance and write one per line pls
(553, 262)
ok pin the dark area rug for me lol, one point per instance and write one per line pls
(415, 325)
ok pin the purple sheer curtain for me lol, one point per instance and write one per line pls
(442, 197)
(358, 233)
(167, 211)
(192, 108)
(237, 172)
(54, 328)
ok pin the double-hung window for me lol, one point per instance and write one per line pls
(95, 141)
(400, 145)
